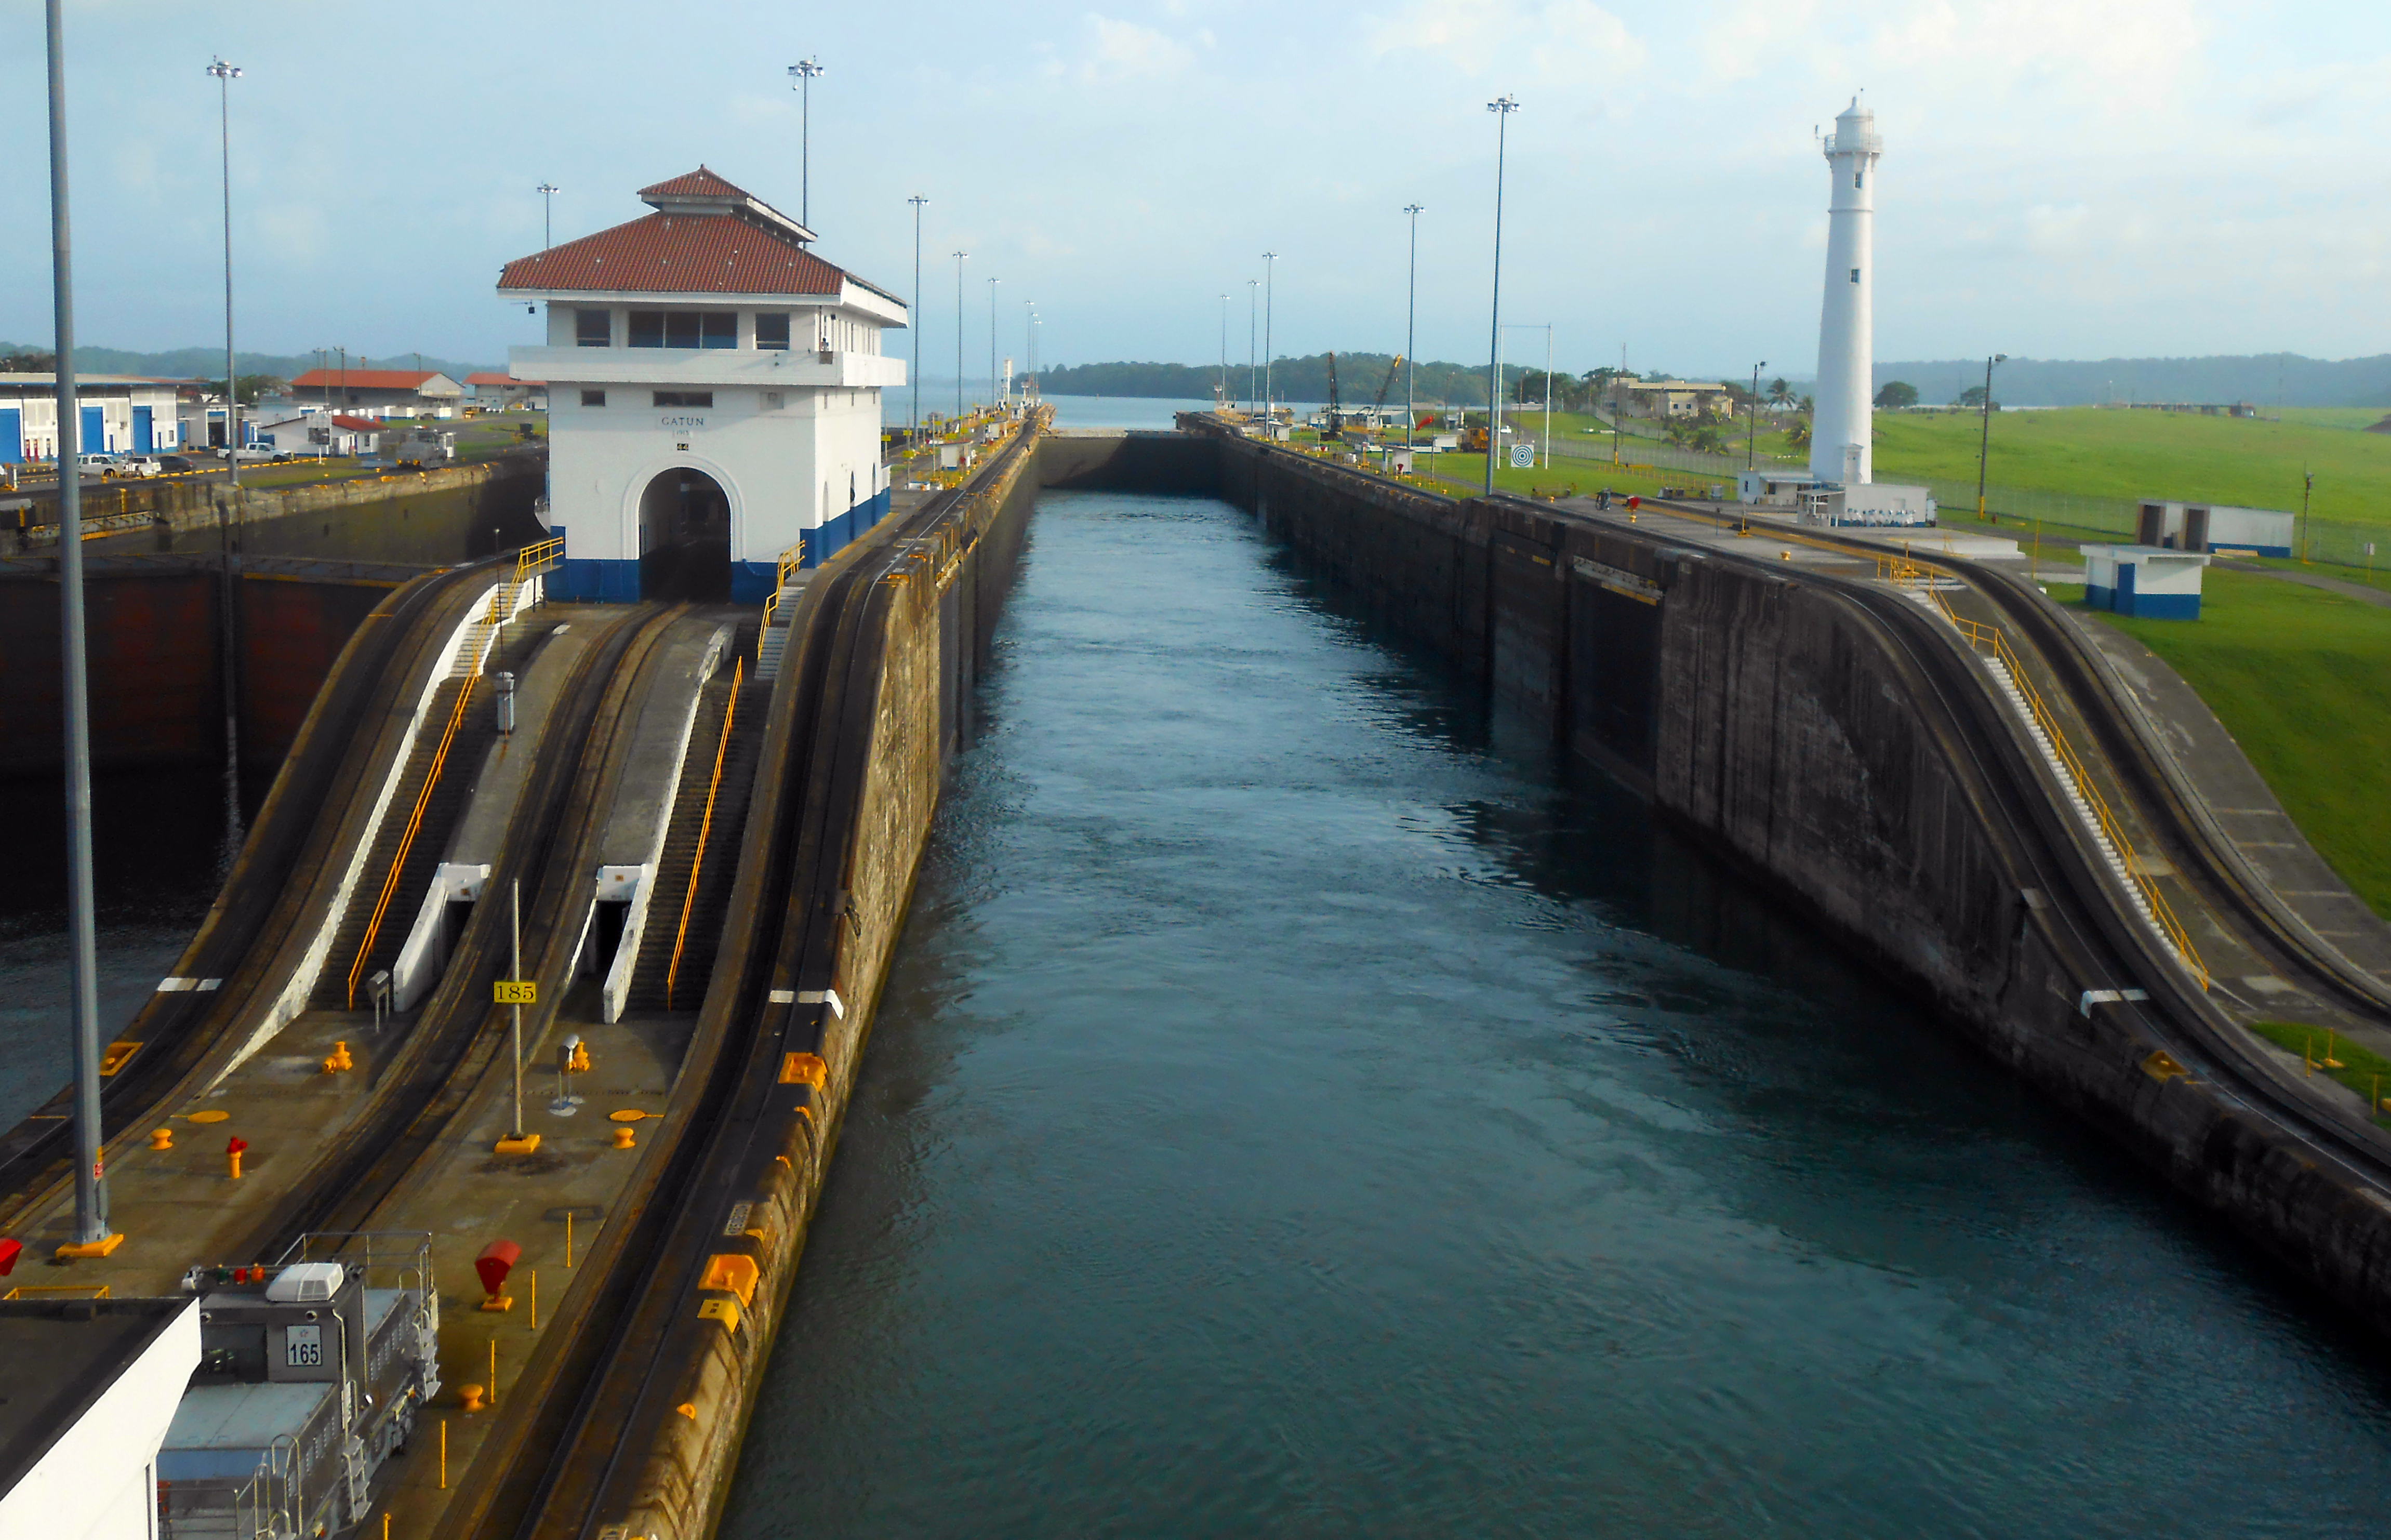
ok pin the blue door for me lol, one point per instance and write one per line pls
(144, 438)
(12, 436)
(95, 432)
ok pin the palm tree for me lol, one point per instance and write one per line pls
(1781, 395)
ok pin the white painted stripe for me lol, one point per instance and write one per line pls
(784, 997)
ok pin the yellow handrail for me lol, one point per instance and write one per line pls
(791, 560)
(705, 828)
(1901, 569)
(501, 601)
(538, 559)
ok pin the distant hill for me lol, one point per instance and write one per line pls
(2264, 379)
(204, 363)
(1358, 377)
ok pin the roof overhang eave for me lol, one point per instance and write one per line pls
(652, 296)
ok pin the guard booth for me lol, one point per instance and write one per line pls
(2144, 580)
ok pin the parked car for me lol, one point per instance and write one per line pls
(100, 464)
(251, 453)
(175, 465)
(139, 465)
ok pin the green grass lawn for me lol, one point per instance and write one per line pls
(2359, 1068)
(2302, 678)
(2094, 452)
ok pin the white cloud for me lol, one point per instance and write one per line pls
(1569, 39)
(1123, 50)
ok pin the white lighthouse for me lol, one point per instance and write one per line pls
(1839, 432)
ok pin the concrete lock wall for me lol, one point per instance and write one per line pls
(156, 629)
(1785, 727)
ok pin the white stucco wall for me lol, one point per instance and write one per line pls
(100, 1481)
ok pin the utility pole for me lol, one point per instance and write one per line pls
(1411, 329)
(2308, 489)
(804, 69)
(548, 191)
(1984, 447)
(224, 75)
(1548, 395)
(1224, 350)
(995, 385)
(1502, 107)
(914, 321)
(959, 257)
(1616, 382)
(91, 1191)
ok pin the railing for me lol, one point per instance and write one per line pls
(531, 561)
(791, 561)
(705, 829)
(1903, 571)
(501, 608)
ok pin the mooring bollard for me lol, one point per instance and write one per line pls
(234, 1147)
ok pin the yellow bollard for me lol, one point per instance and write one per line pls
(444, 1453)
(493, 1371)
(534, 1280)
(624, 1138)
(162, 1138)
(568, 1237)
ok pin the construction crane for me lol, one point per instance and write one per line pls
(1329, 425)
(1378, 408)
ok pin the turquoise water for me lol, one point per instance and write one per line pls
(1301, 1108)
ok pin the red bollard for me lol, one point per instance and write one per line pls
(497, 1261)
(233, 1147)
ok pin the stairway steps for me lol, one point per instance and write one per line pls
(707, 911)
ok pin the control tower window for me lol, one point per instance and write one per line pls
(593, 329)
(1856, 179)
(772, 330)
(684, 398)
(689, 329)
(1856, 275)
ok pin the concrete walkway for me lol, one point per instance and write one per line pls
(2251, 815)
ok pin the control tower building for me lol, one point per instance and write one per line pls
(1839, 432)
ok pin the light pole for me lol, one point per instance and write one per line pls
(1224, 350)
(1029, 345)
(91, 1194)
(1752, 444)
(1985, 447)
(994, 385)
(914, 439)
(806, 70)
(224, 75)
(960, 258)
(1270, 288)
(1411, 326)
(1502, 107)
(1253, 322)
(548, 191)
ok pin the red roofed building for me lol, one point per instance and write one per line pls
(713, 395)
(497, 392)
(411, 390)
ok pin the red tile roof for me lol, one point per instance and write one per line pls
(363, 424)
(365, 378)
(667, 253)
(700, 183)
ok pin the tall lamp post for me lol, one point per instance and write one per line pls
(224, 75)
(91, 1194)
(1004, 397)
(1253, 324)
(960, 258)
(804, 69)
(548, 191)
(915, 437)
(1502, 107)
(1224, 350)
(1984, 447)
(1411, 326)
(1751, 442)
(1270, 288)
(1030, 343)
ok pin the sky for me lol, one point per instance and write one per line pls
(2063, 178)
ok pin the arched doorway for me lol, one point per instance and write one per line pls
(685, 537)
